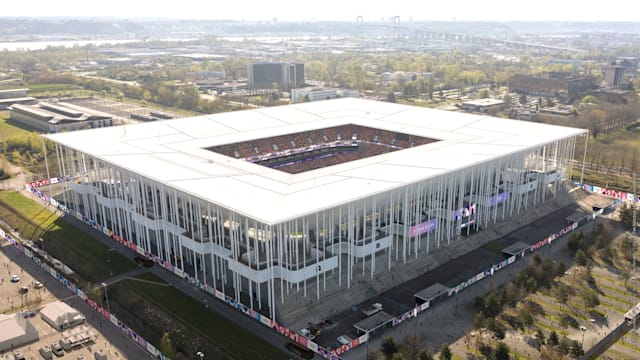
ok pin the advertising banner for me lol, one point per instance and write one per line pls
(423, 228)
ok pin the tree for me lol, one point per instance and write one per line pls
(391, 97)
(591, 299)
(523, 99)
(525, 318)
(483, 93)
(596, 119)
(561, 268)
(553, 338)
(501, 352)
(576, 241)
(540, 337)
(496, 327)
(565, 345)
(388, 347)
(445, 352)
(425, 354)
(576, 349)
(561, 293)
(166, 347)
(581, 257)
(398, 356)
(625, 214)
(478, 321)
(492, 305)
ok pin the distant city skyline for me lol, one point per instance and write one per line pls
(288, 10)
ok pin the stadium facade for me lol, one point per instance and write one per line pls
(375, 185)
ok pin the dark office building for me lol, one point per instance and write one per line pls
(552, 84)
(614, 75)
(287, 75)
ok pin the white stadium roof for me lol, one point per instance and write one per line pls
(173, 152)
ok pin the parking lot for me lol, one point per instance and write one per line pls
(25, 289)
(126, 113)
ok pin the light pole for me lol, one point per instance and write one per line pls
(200, 355)
(106, 296)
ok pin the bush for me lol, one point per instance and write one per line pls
(581, 258)
(567, 321)
(388, 347)
(591, 299)
(576, 242)
(501, 352)
(496, 327)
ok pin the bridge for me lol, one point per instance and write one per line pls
(426, 35)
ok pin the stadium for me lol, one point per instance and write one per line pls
(310, 200)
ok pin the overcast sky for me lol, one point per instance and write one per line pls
(370, 10)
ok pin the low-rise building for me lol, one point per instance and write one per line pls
(319, 93)
(26, 100)
(13, 93)
(482, 105)
(59, 117)
(15, 331)
(61, 316)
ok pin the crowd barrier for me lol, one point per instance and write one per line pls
(332, 354)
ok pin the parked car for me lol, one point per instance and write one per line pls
(306, 333)
(344, 339)
(57, 350)
(23, 290)
(15, 278)
(28, 313)
(38, 285)
(45, 352)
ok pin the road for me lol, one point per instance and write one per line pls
(450, 319)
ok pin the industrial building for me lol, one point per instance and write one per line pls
(59, 117)
(284, 75)
(308, 199)
(552, 84)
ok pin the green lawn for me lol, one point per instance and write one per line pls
(8, 130)
(34, 88)
(148, 307)
(88, 257)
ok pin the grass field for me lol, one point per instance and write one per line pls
(37, 88)
(89, 258)
(8, 130)
(152, 309)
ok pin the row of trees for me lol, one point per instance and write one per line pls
(391, 350)
(25, 149)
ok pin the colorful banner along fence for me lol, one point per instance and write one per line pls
(616, 194)
(290, 334)
(325, 353)
(45, 182)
